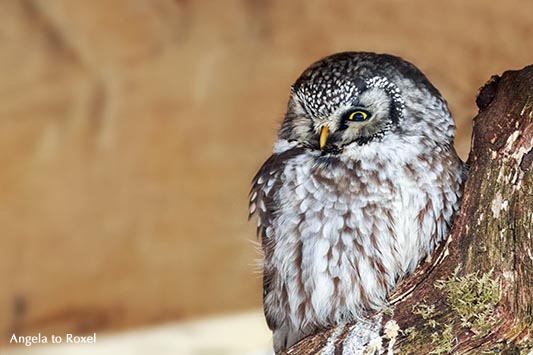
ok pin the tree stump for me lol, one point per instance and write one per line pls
(474, 295)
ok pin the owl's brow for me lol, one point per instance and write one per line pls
(391, 89)
(317, 100)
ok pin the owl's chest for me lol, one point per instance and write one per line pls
(376, 208)
(344, 233)
(335, 198)
(335, 230)
(367, 209)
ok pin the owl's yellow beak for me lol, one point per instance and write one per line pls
(324, 132)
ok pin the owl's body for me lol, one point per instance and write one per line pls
(343, 217)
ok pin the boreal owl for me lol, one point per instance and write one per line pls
(361, 186)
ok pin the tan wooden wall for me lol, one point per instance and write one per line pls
(129, 131)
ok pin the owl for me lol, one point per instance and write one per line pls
(362, 185)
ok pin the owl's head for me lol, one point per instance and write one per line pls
(351, 99)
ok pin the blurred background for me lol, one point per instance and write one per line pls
(129, 133)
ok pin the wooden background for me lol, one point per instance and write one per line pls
(130, 129)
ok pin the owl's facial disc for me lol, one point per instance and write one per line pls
(366, 118)
(351, 116)
(333, 109)
(338, 91)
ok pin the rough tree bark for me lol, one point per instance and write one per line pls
(475, 294)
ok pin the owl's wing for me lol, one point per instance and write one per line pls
(265, 185)
(264, 204)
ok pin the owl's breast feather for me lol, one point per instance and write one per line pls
(344, 232)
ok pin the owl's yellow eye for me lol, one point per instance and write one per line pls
(358, 116)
